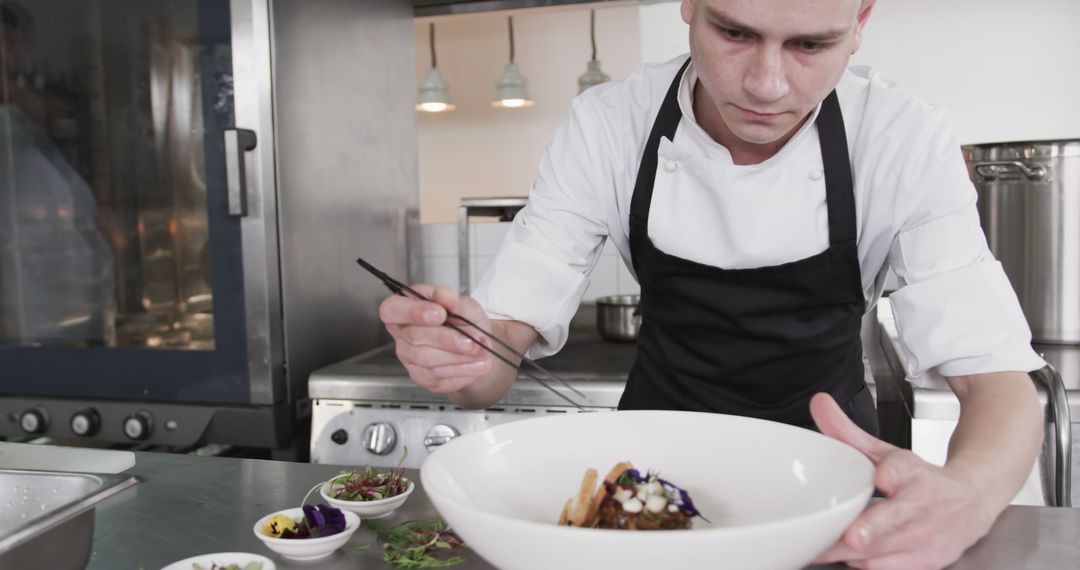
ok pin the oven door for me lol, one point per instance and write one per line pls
(137, 215)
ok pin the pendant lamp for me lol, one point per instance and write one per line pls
(510, 89)
(593, 74)
(434, 93)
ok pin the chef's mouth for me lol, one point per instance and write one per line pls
(758, 116)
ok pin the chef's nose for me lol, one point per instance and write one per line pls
(766, 79)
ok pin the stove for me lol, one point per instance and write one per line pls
(366, 410)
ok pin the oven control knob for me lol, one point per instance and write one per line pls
(85, 422)
(439, 435)
(379, 438)
(34, 421)
(138, 425)
(339, 437)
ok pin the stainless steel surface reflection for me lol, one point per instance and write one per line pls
(103, 195)
(47, 518)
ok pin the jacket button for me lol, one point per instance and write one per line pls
(816, 174)
(670, 165)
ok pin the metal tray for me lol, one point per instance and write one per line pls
(47, 517)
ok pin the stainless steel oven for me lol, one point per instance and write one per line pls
(183, 185)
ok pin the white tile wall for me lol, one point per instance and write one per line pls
(440, 270)
(603, 280)
(438, 239)
(439, 261)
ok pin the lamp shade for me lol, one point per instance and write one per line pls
(511, 89)
(434, 93)
(593, 76)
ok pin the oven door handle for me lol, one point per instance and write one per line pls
(237, 143)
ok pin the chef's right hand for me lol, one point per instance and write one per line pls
(438, 358)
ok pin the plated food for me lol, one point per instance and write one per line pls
(776, 496)
(628, 500)
(223, 561)
(216, 566)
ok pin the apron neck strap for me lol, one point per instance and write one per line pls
(839, 187)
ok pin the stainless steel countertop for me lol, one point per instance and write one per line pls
(188, 505)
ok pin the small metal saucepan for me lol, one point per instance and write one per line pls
(618, 317)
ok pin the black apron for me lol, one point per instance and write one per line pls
(752, 342)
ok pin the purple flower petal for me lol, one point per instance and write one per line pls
(333, 516)
(315, 519)
(682, 499)
(328, 530)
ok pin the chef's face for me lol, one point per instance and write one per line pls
(766, 64)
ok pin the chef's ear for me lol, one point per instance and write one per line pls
(687, 10)
(865, 8)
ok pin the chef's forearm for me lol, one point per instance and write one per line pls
(493, 386)
(998, 436)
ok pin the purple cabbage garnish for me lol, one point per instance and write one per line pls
(681, 499)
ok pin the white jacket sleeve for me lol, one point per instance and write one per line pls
(956, 312)
(540, 273)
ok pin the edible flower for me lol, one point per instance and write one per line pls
(318, 521)
(677, 496)
(277, 525)
(324, 520)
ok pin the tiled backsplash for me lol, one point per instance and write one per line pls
(439, 259)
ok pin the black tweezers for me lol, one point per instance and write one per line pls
(399, 288)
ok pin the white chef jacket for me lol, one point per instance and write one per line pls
(955, 311)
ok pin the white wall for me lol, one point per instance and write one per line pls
(1004, 69)
(478, 150)
(663, 33)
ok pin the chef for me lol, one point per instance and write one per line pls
(760, 190)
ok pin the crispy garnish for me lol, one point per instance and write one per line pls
(564, 516)
(601, 492)
(579, 508)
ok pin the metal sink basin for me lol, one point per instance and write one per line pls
(47, 517)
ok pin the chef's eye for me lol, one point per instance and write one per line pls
(733, 34)
(809, 46)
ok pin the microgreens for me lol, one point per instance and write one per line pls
(419, 544)
(367, 484)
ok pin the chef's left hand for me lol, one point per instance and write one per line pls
(929, 517)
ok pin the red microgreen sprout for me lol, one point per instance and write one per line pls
(367, 484)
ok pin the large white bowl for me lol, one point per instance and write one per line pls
(368, 509)
(306, 549)
(777, 495)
